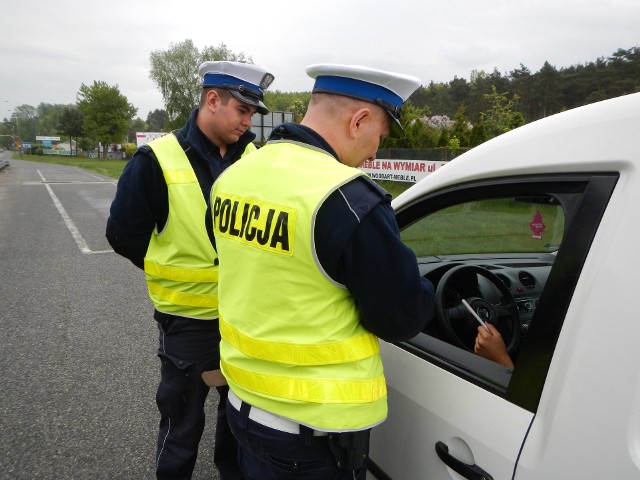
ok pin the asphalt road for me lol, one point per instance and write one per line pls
(78, 365)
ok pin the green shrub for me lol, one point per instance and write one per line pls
(129, 150)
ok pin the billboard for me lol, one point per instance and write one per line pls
(400, 170)
(142, 138)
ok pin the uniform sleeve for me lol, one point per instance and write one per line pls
(382, 274)
(358, 244)
(141, 203)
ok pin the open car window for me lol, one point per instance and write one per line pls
(512, 249)
(491, 225)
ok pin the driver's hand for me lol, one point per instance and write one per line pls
(491, 346)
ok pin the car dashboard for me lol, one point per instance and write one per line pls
(524, 275)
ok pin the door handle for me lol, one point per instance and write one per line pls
(472, 472)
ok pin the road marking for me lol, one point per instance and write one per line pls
(75, 233)
(71, 182)
(89, 174)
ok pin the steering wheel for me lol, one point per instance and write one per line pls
(454, 320)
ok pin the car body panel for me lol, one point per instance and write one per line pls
(592, 387)
(586, 423)
(410, 431)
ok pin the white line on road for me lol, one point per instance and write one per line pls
(95, 176)
(75, 233)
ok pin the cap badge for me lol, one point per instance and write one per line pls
(266, 81)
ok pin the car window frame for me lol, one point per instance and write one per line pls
(581, 224)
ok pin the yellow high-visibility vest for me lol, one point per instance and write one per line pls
(179, 264)
(292, 342)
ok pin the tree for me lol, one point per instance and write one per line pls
(481, 84)
(459, 91)
(521, 85)
(48, 117)
(138, 125)
(296, 102)
(107, 113)
(157, 120)
(299, 108)
(70, 123)
(461, 129)
(625, 69)
(414, 128)
(546, 91)
(175, 73)
(24, 119)
(500, 116)
(478, 135)
(7, 136)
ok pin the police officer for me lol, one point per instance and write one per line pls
(312, 272)
(157, 221)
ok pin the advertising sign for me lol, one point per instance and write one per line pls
(142, 138)
(400, 170)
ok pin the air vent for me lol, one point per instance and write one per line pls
(504, 279)
(527, 280)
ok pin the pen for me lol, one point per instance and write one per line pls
(475, 315)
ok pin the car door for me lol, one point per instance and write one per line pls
(452, 413)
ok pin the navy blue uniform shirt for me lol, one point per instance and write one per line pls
(358, 245)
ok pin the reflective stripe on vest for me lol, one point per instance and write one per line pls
(320, 390)
(348, 350)
(185, 299)
(181, 274)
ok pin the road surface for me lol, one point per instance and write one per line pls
(78, 365)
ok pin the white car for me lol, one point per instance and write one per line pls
(538, 231)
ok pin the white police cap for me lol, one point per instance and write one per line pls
(387, 89)
(244, 81)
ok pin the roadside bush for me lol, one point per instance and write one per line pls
(129, 150)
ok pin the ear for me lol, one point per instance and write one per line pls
(213, 100)
(357, 120)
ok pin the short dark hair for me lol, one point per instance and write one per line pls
(222, 93)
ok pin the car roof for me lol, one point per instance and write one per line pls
(602, 136)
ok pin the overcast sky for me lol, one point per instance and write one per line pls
(48, 49)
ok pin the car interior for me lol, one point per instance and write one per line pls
(488, 252)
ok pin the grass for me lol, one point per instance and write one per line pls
(110, 168)
(394, 188)
(113, 168)
(485, 226)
